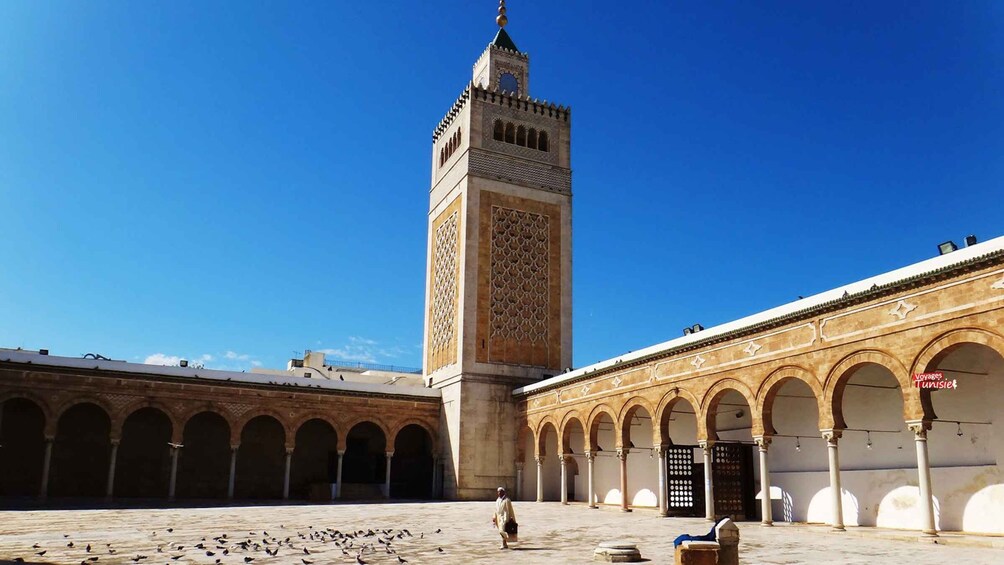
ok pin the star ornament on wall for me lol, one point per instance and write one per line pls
(698, 361)
(752, 349)
(902, 309)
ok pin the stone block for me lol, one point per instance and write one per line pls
(696, 553)
(617, 552)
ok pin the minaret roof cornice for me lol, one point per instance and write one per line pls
(494, 96)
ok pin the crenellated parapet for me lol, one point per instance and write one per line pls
(503, 99)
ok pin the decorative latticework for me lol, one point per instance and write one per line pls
(680, 481)
(732, 474)
(443, 306)
(519, 276)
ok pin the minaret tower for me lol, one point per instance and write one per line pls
(499, 300)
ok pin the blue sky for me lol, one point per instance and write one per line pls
(236, 182)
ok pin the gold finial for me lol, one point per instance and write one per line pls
(501, 20)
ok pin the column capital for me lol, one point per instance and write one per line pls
(590, 456)
(919, 427)
(706, 444)
(341, 452)
(115, 441)
(832, 435)
(519, 465)
(539, 459)
(235, 446)
(622, 453)
(562, 459)
(289, 450)
(660, 449)
(50, 439)
(389, 454)
(763, 442)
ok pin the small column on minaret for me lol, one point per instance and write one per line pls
(173, 483)
(43, 490)
(590, 485)
(660, 452)
(762, 443)
(338, 475)
(540, 479)
(110, 484)
(285, 477)
(233, 470)
(564, 478)
(386, 482)
(708, 447)
(832, 437)
(919, 429)
(622, 455)
(519, 480)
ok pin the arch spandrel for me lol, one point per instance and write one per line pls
(916, 402)
(768, 392)
(540, 437)
(709, 405)
(951, 339)
(429, 429)
(120, 418)
(664, 409)
(346, 427)
(238, 429)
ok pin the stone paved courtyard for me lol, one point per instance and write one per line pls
(550, 534)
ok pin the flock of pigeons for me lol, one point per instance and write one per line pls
(360, 546)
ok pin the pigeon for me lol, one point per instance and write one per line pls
(88, 548)
(439, 530)
(169, 530)
(248, 559)
(41, 553)
(440, 549)
(69, 544)
(36, 546)
(401, 559)
(305, 552)
(306, 561)
(360, 561)
(210, 553)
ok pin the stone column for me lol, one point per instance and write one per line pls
(175, 451)
(708, 447)
(661, 461)
(590, 485)
(519, 480)
(540, 479)
(564, 478)
(832, 437)
(233, 470)
(110, 485)
(622, 454)
(338, 475)
(285, 477)
(43, 490)
(762, 443)
(386, 481)
(919, 429)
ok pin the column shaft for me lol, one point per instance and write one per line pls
(110, 485)
(285, 477)
(540, 479)
(832, 437)
(172, 485)
(924, 476)
(386, 482)
(519, 480)
(591, 486)
(622, 455)
(709, 487)
(43, 490)
(338, 475)
(233, 472)
(661, 461)
(564, 480)
(765, 504)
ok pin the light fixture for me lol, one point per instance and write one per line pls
(869, 444)
(947, 247)
(970, 240)
(687, 331)
(959, 433)
(696, 328)
(740, 413)
(798, 446)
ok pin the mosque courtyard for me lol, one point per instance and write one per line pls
(435, 532)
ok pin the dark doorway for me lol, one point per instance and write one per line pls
(261, 459)
(143, 464)
(22, 435)
(80, 456)
(411, 467)
(365, 464)
(204, 462)
(315, 461)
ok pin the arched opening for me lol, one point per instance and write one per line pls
(442, 156)
(510, 133)
(411, 467)
(733, 472)
(966, 451)
(22, 437)
(261, 459)
(643, 470)
(364, 465)
(527, 487)
(684, 463)
(574, 444)
(80, 456)
(498, 131)
(143, 463)
(796, 448)
(204, 461)
(315, 461)
(551, 471)
(531, 139)
(542, 141)
(521, 136)
(606, 467)
(876, 449)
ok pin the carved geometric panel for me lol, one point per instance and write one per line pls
(444, 290)
(519, 282)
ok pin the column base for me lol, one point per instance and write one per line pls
(664, 514)
(594, 507)
(625, 510)
(839, 529)
(767, 524)
(930, 533)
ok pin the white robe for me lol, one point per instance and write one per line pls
(503, 512)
